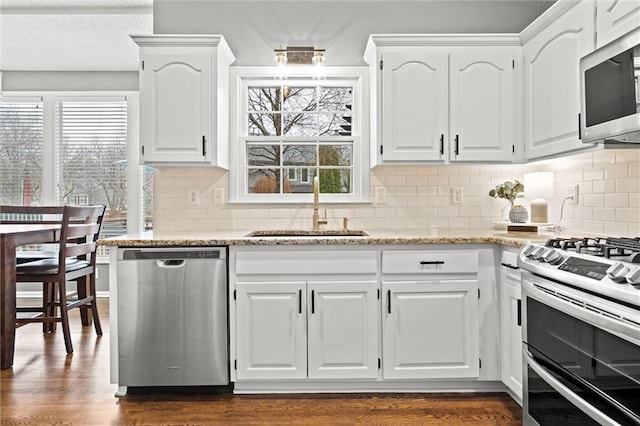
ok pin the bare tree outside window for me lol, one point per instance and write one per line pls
(303, 120)
(20, 153)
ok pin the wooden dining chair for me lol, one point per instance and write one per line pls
(27, 215)
(76, 261)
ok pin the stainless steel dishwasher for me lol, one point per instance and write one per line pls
(172, 317)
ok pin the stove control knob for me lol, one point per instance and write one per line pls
(617, 272)
(536, 252)
(552, 256)
(541, 252)
(528, 249)
(633, 277)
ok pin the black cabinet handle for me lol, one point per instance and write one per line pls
(389, 301)
(313, 302)
(432, 262)
(204, 146)
(299, 301)
(519, 312)
(515, 268)
(579, 126)
(442, 144)
(457, 145)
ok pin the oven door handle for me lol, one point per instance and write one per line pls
(592, 412)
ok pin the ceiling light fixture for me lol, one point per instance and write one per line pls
(297, 55)
(281, 57)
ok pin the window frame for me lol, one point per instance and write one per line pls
(242, 77)
(50, 99)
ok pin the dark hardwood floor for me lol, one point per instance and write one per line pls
(47, 387)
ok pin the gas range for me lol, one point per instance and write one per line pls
(607, 267)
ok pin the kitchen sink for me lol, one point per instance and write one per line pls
(307, 233)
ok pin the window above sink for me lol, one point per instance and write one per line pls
(285, 131)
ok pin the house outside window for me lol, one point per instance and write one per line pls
(291, 130)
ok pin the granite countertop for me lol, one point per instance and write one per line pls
(416, 236)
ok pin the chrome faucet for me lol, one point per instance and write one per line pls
(316, 195)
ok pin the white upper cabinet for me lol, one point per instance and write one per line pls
(552, 48)
(414, 105)
(442, 98)
(482, 103)
(615, 18)
(184, 99)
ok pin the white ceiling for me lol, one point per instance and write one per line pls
(78, 35)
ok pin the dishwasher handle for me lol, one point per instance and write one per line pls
(170, 263)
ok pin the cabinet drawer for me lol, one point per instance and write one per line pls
(306, 262)
(429, 262)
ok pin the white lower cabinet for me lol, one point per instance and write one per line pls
(430, 329)
(295, 330)
(271, 330)
(511, 314)
(343, 332)
(305, 314)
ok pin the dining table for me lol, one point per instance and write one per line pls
(13, 236)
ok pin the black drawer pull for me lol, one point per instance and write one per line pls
(389, 301)
(313, 302)
(515, 268)
(519, 312)
(432, 262)
(299, 301)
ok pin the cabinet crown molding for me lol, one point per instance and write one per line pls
(437, 40)
(556, 10)
(179, 40)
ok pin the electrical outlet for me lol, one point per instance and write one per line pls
(193, 196)
(574, 191)
(381, 195)
(218, 196)
(456, 195)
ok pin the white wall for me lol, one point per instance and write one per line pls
(254, 28)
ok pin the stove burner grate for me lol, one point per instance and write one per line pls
(599, 246)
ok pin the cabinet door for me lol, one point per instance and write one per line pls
(176, 107)
(430, 329)
(512, 332)
(271, 331)
(615, 18)
(343, 330)
(482, 104)
(551, 76)
(414, 105)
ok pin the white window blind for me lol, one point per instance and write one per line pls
(91, 140)
(20, 151)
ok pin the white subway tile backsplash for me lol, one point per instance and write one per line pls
(616, 200)
(627, 215)
(592, 200)
(420, 197)
(616, 228)
(604, 186)
(628, 185)
(616, 171)
(597, 174)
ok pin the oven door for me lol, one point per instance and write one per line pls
(581, 357)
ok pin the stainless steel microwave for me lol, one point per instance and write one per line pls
(610, 92)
